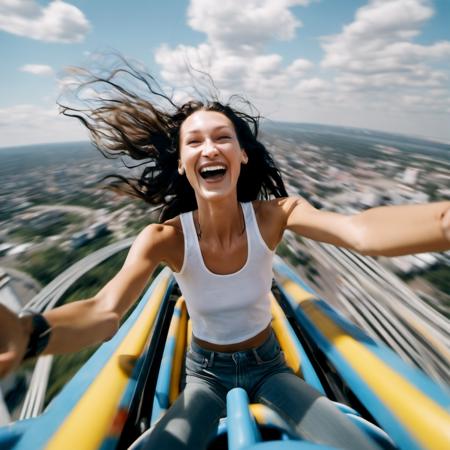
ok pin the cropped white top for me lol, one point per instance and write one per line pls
(226, 309)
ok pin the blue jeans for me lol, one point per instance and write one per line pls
(193, 418)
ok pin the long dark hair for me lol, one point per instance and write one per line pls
(145, 126)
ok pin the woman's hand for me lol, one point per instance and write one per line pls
(14, 335)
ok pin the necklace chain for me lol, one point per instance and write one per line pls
(199, 232)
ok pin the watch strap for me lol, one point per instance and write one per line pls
(39, 337)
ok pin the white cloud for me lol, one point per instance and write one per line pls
(391, 19)
(376, 60)
(299, 67)
(56, 22)
(249, 24)
(233, 51)
(312, 85)
(37, 69)
(378, 40)
(32, 124)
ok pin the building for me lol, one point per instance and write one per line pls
(410, 176)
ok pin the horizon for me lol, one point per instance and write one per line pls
(343, 127)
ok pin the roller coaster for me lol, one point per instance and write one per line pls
(131, 381)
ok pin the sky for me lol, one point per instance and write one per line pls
(377, 64)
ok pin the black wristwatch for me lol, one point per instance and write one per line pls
(39, 336)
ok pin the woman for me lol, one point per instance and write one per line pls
(224, 212)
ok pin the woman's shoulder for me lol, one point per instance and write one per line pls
(168, 230)
(165, 239)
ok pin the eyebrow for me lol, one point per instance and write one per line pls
(214, 129)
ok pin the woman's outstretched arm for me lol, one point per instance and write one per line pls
(381, 231)
(405, 229)
(87, 322)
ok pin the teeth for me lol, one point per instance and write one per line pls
(211, 168)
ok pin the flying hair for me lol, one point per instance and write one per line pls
(129, 115)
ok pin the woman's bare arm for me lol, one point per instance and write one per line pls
(79, 324)
(405, 229)
(385, 230)
(90, 321)
(304, 219)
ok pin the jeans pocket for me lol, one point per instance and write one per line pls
(195, 361)
(268, 353)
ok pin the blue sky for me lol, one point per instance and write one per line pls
(380, 64)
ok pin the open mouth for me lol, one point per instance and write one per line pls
(213, 173)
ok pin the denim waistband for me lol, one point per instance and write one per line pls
(196, 348)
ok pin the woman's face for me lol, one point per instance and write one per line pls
(210, 154)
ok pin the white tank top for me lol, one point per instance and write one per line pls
(226, 309)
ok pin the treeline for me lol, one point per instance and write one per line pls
(45, 265)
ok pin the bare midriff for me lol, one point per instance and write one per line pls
(253, 342)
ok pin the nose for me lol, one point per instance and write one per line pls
(209, 148)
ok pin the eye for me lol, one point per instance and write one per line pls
(224, 137)
(192, 141)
